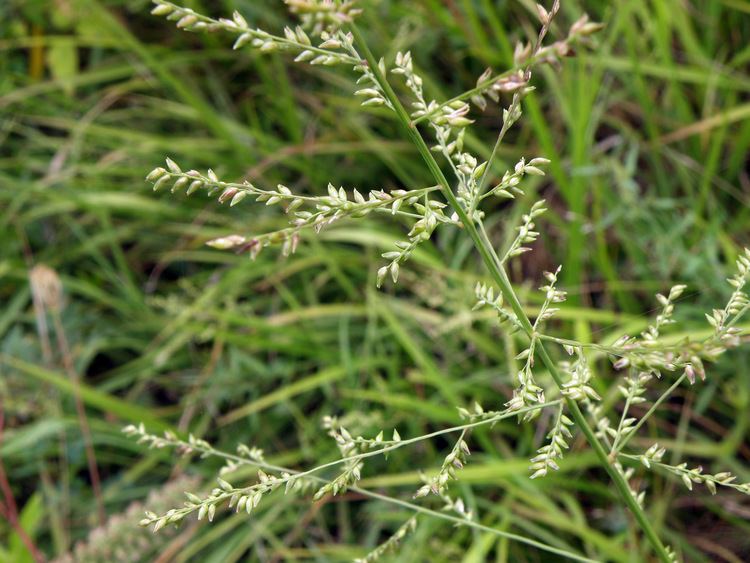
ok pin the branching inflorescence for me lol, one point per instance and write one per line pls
(327, 36)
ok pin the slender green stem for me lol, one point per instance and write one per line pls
(617, 448)
(398, 502)
(622, 423)
(485, 175)
(390, 446)
(737, 316)
(474, 525)
(576, 344)
(485, 249)
(685, 471)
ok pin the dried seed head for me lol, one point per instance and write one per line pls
(46, 287)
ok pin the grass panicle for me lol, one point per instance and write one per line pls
(641, 359)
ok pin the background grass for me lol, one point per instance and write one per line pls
(649, 137)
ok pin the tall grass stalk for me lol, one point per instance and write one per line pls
(499, 276)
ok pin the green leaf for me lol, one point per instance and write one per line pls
(29, 519)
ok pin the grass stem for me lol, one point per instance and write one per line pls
(485, 249)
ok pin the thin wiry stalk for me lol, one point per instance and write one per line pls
(83, 421)
(210, 451)
(388, 445)
(617, 448)
(47, 290)
(485, 249)
(488, 168)
(621, 425)
(509, 115)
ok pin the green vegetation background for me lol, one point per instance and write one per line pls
(648, 134)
